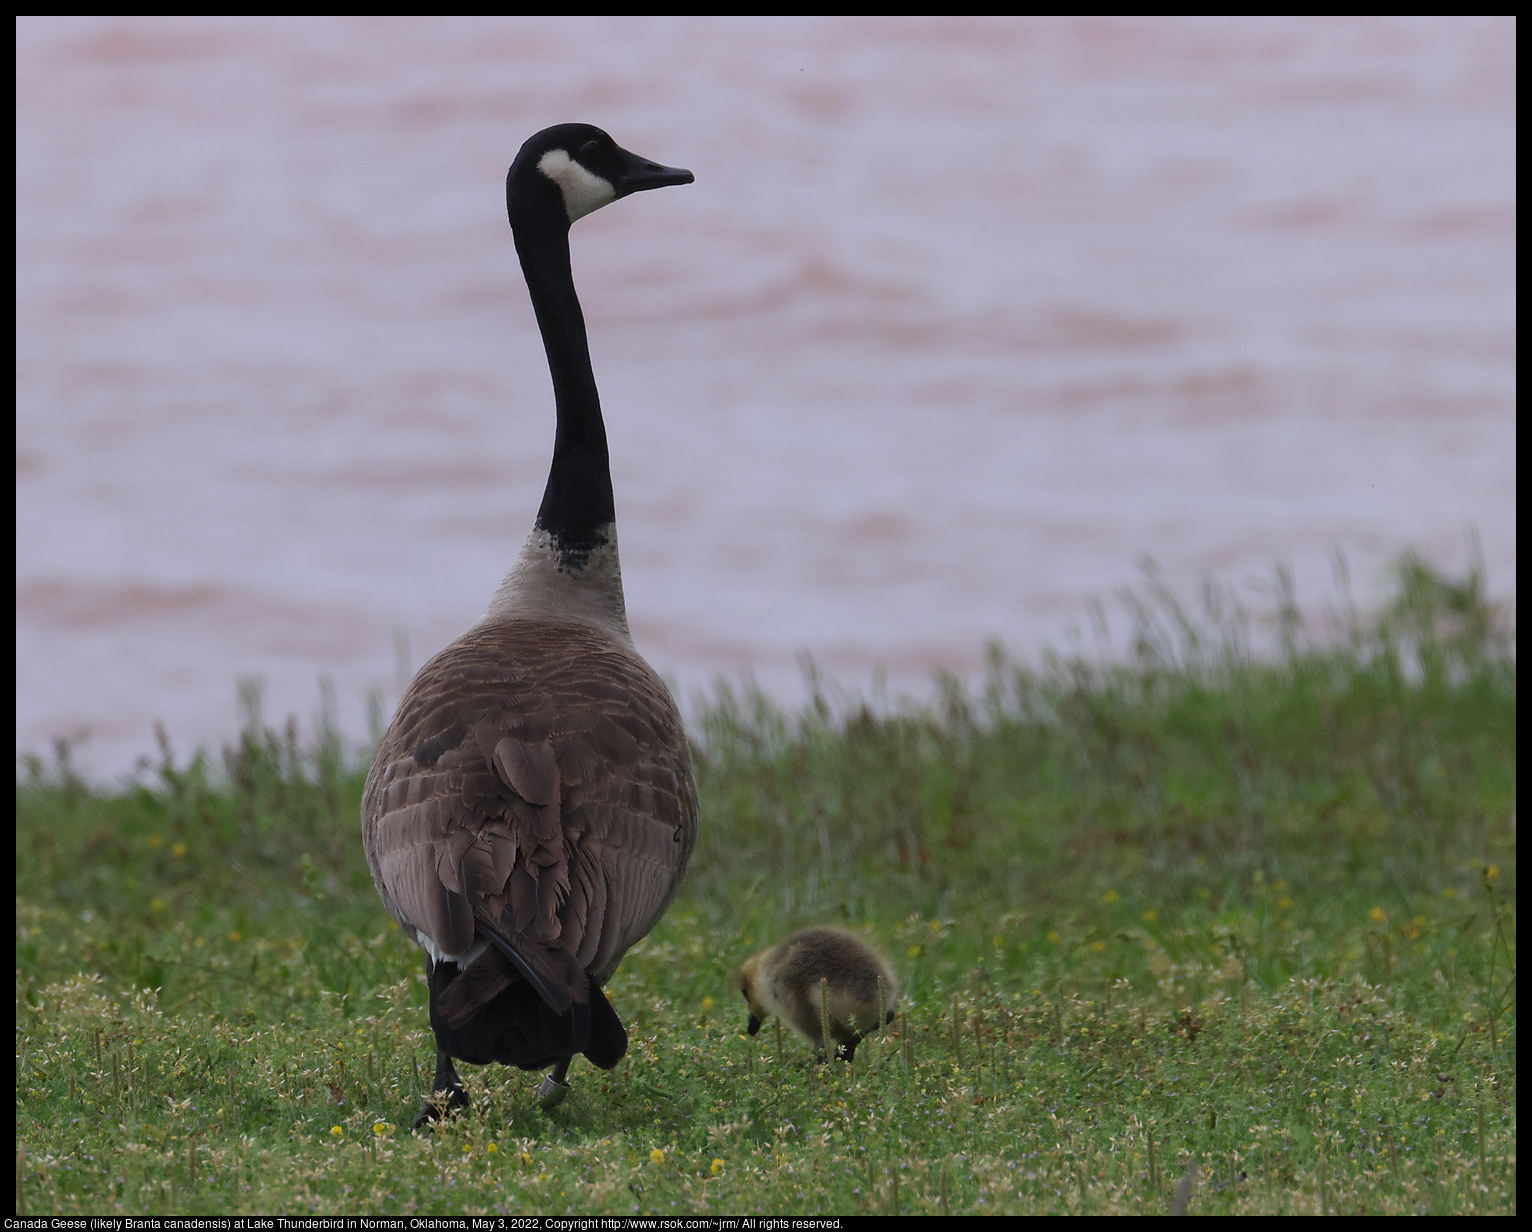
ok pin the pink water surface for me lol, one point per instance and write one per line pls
(961, 319)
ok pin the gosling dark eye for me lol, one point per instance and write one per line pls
(589, 150)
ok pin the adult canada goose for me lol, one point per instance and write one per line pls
(821, 981)
(530, 810)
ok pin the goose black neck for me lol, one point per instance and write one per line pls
(577, 506)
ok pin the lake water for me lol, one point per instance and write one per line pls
(960, 321)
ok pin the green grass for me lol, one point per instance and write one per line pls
(1249, 913)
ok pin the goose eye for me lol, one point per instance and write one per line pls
(589, 150)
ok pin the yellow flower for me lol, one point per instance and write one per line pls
(156, 904)
(1054, 935)
(154, 840)
(235, 936)
(1491, 872)
(1109, 897)
(1151, 915)
(707, 1003)
(492, 1149)
(1098, 946)
(656, 1156)
(914, 951)
(1377, 915)
(335, 1131)
(526, 1159)
(1284, 903)
(178, 850)
(379, 1128)
(716, 1167)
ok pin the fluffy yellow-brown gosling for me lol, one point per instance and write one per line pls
(819, 981)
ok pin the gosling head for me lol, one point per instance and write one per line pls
(582, 168)
(750, 984)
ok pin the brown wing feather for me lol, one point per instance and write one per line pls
(534, 785)
(529, 769)
(480, 982)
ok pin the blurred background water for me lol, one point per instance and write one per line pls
(961, 319)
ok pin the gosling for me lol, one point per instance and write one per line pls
(821, 978)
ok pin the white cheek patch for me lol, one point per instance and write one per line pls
(583, 190)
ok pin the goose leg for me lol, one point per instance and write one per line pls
(446, 1093)
(553, 1088)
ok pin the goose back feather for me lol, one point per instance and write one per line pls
(535, 786)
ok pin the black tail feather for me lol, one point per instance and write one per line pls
(608, 1040)
(519, 1028)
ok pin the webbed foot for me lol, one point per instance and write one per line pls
(446, 1096)
(551, 1093)
(440, 1105)
(553, 1088)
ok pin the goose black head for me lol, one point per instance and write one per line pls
(584, 167)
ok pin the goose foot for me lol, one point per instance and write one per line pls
(552, 1090)
(551, 1094)
(439, 1106)
(447, 1093)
